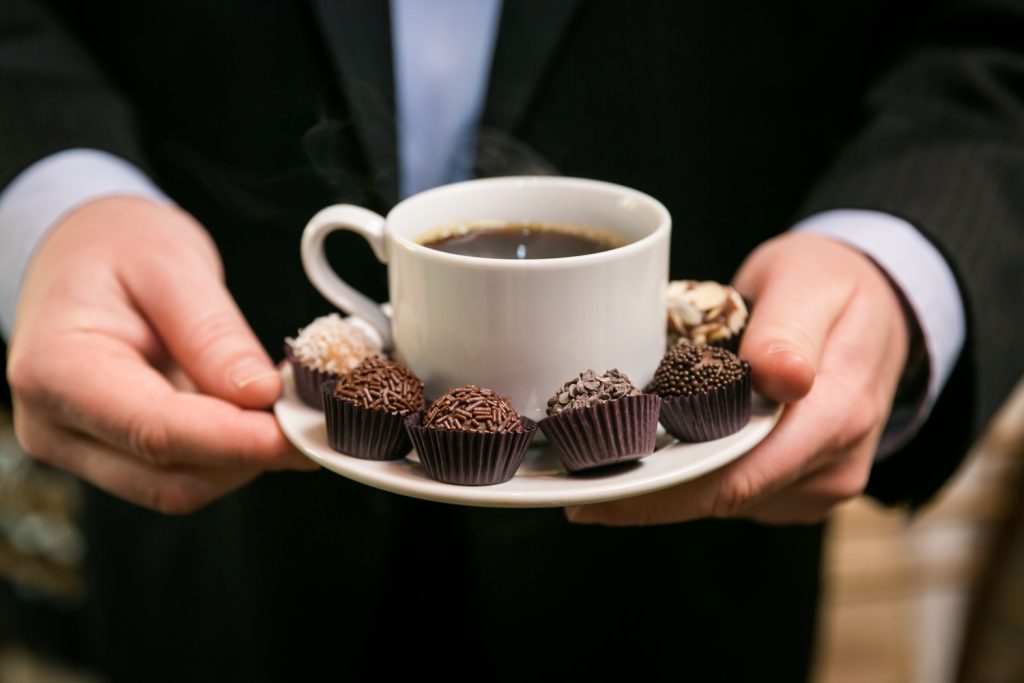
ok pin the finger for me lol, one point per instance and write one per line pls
(843, 406)
(812, 498)
(120, 400)
(172, 491)
(203, 329)
(790, 321)
(721, 493)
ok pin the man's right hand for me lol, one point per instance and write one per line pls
(131, 366)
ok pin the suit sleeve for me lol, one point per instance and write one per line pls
(53, 95)
(942, 146)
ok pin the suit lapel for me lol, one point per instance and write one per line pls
(530, 31)
(358, 36)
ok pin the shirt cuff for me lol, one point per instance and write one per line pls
(41, 195)
(929, 289)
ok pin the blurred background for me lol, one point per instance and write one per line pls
(933, 598)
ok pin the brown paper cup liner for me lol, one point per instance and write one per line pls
(363, 433)
(469, 458)
(711, 415)
(605, 434)
(307, 380)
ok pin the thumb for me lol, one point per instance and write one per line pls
(199, 322)
(790, 320)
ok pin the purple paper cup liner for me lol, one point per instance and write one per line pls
(307, 380)
(469, 458)
(710, 415)
(608, 433)
(361, 432)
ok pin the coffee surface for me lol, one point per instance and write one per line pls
(521, 241)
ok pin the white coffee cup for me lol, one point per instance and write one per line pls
(519, 327)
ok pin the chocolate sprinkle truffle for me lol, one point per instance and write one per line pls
(367, 406)
(382, 384)
(472, 409)
(705, 391)
(470, 436)
(597, 420)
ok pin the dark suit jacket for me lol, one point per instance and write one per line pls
(741, 117)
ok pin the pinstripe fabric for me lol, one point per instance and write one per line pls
(253, 115)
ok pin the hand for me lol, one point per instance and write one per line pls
(131, 366)
(827, 334)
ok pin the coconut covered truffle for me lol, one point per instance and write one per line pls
(705, 391)
(471, 436)
(705, 312)
(365, 409)
(331, 344)
(324, 350)
(598, 420)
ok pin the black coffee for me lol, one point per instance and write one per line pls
(521, 241)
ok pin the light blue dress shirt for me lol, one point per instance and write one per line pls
(442, 56)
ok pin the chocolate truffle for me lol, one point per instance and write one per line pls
(472, 409)
(366, 408)
(705, 391)
(470, 436)
(705, 312)
(381, 384)
(324, 350)
(591, 389)
(597, 420)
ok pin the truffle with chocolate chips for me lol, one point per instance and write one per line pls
(705, 312)
(366, 409)
(705, 391)
(470, 436)
(590, 389)
(597, 420)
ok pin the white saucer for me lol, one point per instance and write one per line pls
(541, 481)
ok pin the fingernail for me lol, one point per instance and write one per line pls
(249, 371)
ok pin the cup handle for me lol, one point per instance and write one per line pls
(362, 222)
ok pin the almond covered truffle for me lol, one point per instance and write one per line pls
(705, 312)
